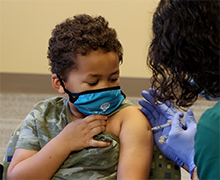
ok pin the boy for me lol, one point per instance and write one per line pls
(56, 138)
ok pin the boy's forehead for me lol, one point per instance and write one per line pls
(98, 54)
(97, 62)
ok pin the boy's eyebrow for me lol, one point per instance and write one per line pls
(116, 72)
(97, 75)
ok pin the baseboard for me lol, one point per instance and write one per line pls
(41, 84)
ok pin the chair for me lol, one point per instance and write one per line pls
(163, 168)
(10, 151)
(1, 171)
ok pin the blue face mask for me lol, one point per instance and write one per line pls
(98, 101)
(209, 98)
(202, 94)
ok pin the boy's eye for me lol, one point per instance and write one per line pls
(114, 79)
(93, 83)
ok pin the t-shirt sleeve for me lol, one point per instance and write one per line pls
(28, 137)
(207, 140)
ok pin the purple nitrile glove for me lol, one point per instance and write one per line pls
(158, 115)
(182, 141)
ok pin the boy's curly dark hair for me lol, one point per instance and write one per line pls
(185, 47)
(80, 35)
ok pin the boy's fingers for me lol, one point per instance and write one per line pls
(94, 143)
(97, 123)
(96, 130)
(95, 117)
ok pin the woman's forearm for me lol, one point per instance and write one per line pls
(194, 172)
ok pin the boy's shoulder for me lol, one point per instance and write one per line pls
(132, 114)
(130, 108)
(128, 116)
(129, 102)
(49, 105)
(126, 103)
(52, 101)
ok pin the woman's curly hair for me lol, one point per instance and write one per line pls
(80, 35)
(185, 48)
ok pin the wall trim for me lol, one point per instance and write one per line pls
(41, 84)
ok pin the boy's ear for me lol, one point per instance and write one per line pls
(56, 84)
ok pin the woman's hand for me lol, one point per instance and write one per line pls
(159, 114)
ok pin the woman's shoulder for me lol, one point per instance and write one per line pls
(211, 114)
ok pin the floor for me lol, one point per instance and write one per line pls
(15, 107)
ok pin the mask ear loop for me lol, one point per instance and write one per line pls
(72, 100)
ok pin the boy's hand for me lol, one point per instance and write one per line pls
(79, 134)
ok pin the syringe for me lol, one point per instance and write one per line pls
(162, 126)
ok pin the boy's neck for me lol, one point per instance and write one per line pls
(76, 114)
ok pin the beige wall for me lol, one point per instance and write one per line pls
(26, 27)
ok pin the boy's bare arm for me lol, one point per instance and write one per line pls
(29, 164)
(136, 146)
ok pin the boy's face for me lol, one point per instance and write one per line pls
(94, 71)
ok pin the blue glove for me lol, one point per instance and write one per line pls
(181, 141)
(158, 115)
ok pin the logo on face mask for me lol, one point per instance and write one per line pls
(105, 106)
